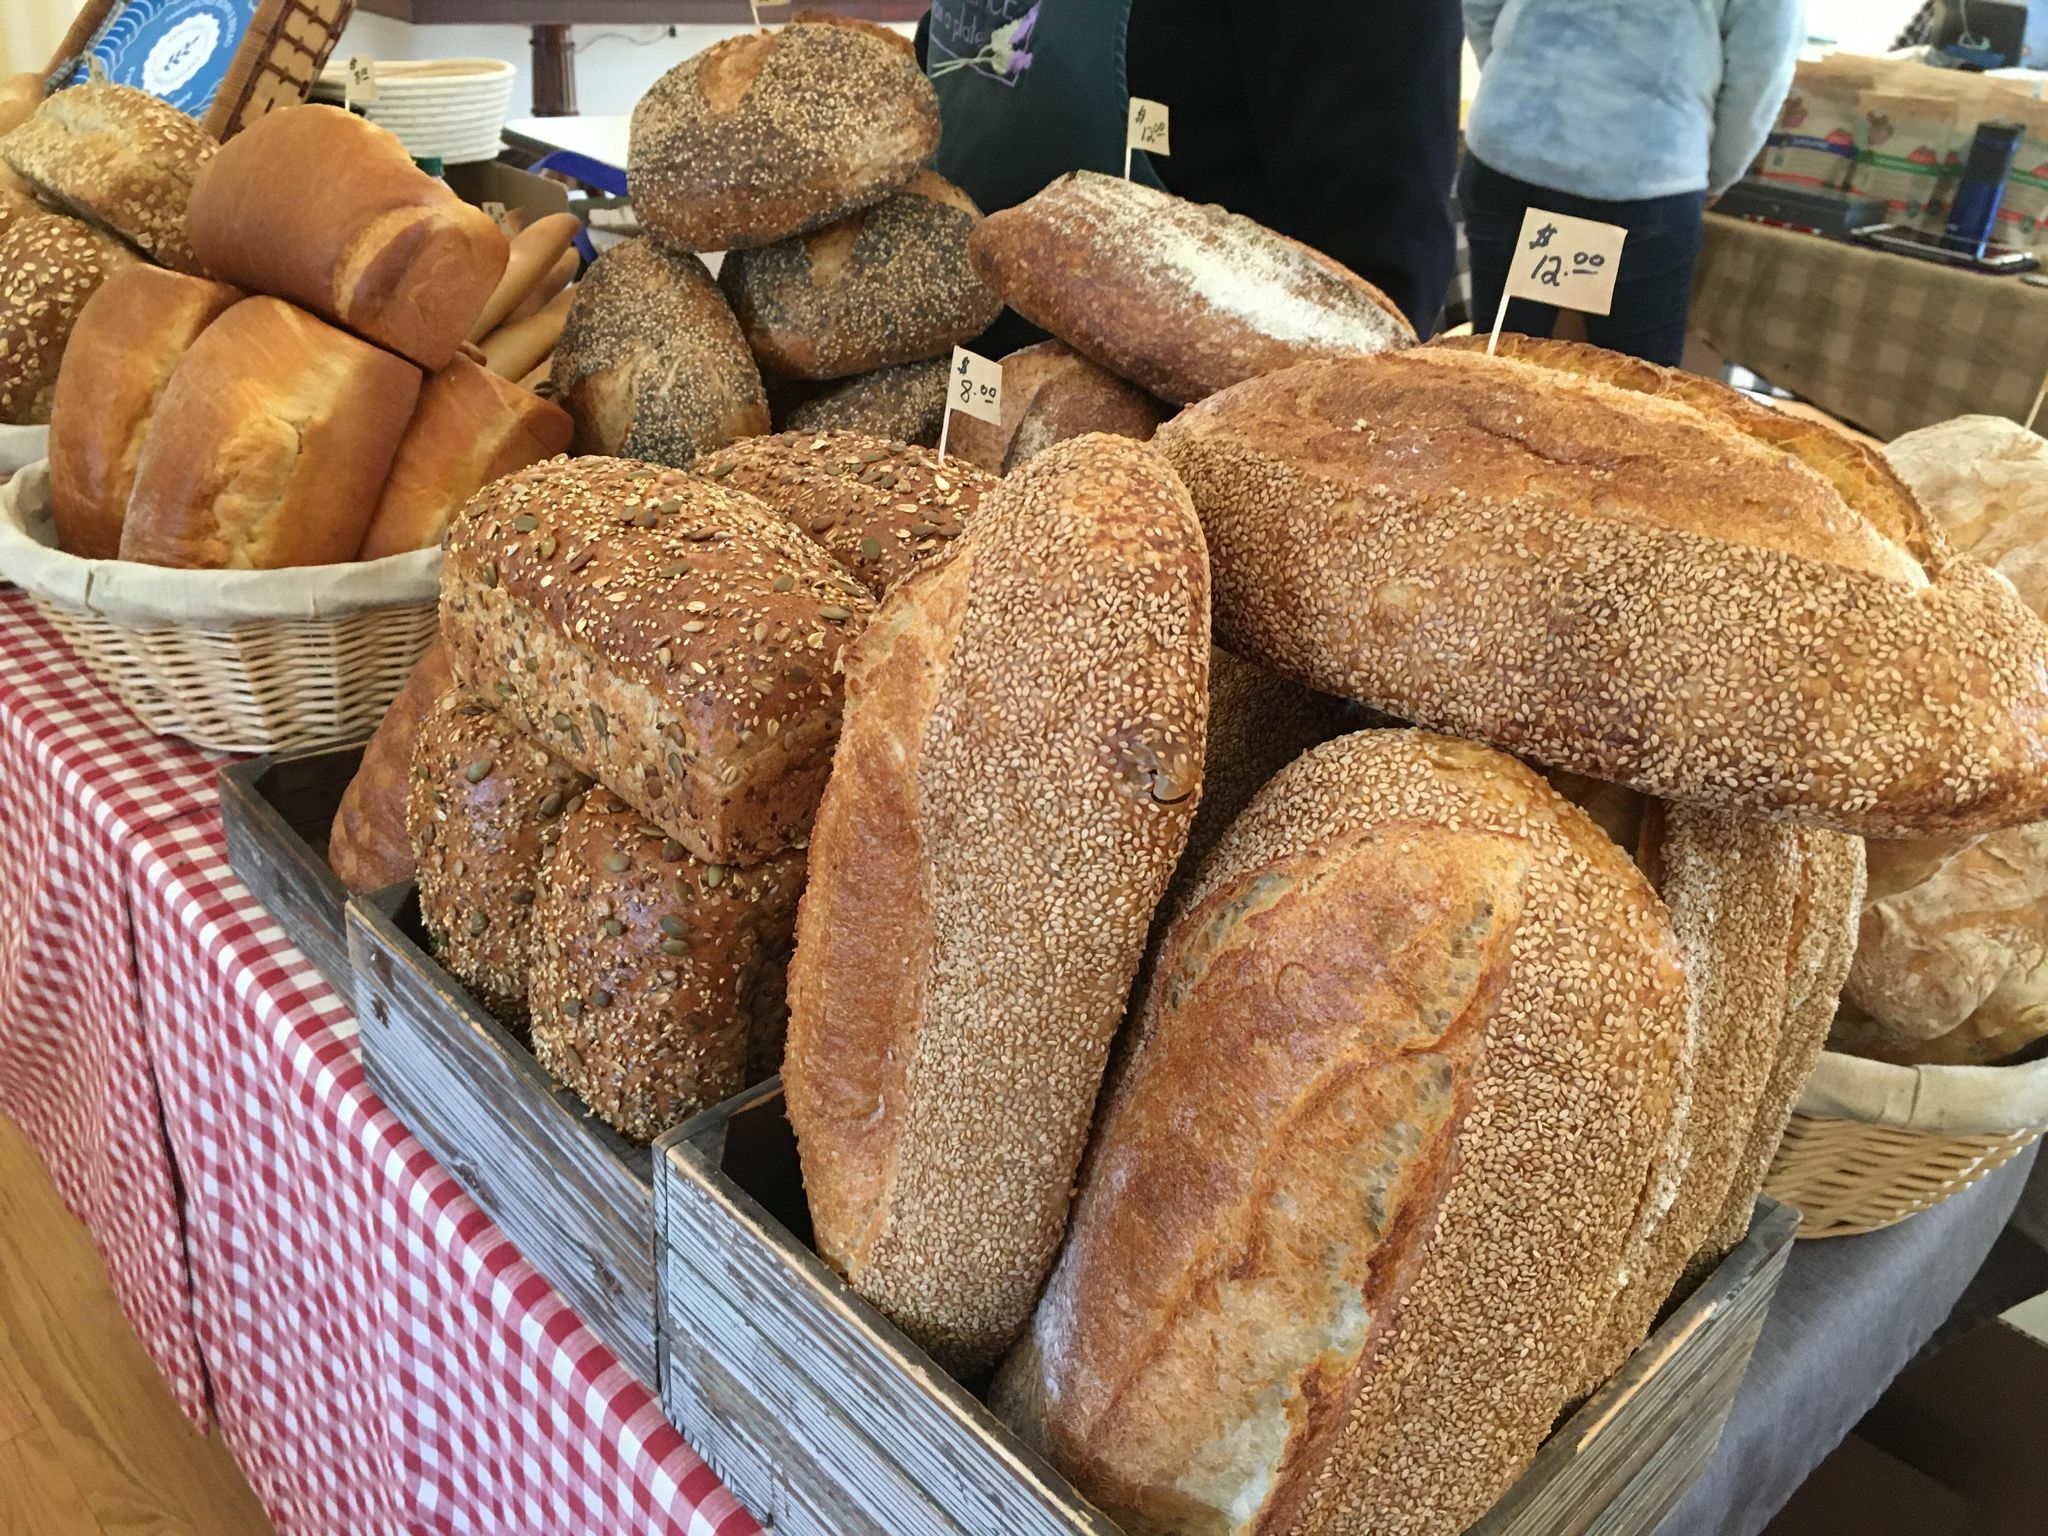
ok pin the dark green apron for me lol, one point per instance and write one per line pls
(1046, 98)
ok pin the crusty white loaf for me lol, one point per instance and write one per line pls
(1180, 298)
(677, 641)
(469, 427)
(319, 206)
(268, 446)
(129, 339)
(369, 847)
(651, 363)
(885, 285)
(1623, 585)
(1358, 1201)
(657, 979)
(1021, 757)
(767, 135)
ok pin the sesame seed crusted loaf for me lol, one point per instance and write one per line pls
(879, 508)
(50, 265)
(1052, 393)
(370, 846)
(484, 803)
(119, 158)
(887, 284)
(767, 135)
(651, 363)
(657, 979)
(905, 405)
(1181, 298)
(675, 640)
(1618, 584)
(1393, 1100)
(1021, 757)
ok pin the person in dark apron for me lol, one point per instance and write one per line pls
(1336, 125)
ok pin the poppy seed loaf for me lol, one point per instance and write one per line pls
(887, 284)
(1391, 1102)
(1021, 758)
(905, 405)
(1618, 584)
(677, 641)
(879, 508)
(767, 135)
(651, 364)
(657, 978)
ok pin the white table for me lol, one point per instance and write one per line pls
(601, 137)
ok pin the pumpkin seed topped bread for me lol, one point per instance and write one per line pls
(657, 978)
(1618, 584)
(767, 135)
(1393, 1098)
(677, 641)
(1021, 759)
(879, 507)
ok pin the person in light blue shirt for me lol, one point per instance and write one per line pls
(1632, 112)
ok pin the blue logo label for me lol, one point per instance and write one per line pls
(177, 49)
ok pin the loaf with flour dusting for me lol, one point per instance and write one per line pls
(1034, 702)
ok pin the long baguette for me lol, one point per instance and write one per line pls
(512, 350)
(541, 293)
(536, 250)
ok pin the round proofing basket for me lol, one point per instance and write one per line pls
(1871, 1143)
(243, 661)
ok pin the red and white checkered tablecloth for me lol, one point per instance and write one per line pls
(376, 1353)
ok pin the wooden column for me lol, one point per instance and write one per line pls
(554, 71)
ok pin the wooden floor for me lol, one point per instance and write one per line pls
(91, 1443)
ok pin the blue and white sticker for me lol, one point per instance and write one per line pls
(177, 49)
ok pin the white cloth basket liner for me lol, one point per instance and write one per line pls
(21, 447)
(1937, 1101)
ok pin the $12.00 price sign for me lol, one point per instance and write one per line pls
(1145, 127)
(974, 384)
(1559, 260)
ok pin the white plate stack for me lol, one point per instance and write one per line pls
(446, 109)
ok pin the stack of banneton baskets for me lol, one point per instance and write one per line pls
(1281, 1121)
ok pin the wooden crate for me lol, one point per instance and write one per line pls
(827, 1421)
(276, 812)
(575, 1198)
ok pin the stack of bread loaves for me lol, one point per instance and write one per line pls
(1441, 1077)
(307, 399)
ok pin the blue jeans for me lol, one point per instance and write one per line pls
(1652, 292)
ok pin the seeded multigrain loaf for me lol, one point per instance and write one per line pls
(1052, 393)
(484, 804)
(651, 363)
(369, 846)
(119, 158)
(657, 981)
(906, 405)
(1392, 1102)
(887, 284)
(675, 640)
(880, 508)
(50, 266)
(767, 135)
(1622, 585)
(1021, 758)
(1180, 298)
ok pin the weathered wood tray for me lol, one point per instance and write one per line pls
(276, 812)
(575, 1198)
(827, 1421)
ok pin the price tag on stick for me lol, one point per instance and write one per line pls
(758, 6)
(1145, 127)
(359, 81)
(1563, 261)
(974, 385)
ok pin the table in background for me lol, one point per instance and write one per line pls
(310, 1281)
(1885, 342)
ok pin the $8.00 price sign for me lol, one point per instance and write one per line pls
(974, 385)
(359, 80)
(1564, 261)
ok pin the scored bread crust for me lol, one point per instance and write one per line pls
(1052, 393)
(1393, 1098)
(888, 284)
(1034, 702)
(369, 846)
(767, 135)
(1180, 298)
(1612, 583)
(651, 363)
(655, 976)
(675, 640)
(879, 508)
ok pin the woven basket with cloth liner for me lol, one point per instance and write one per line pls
(242, 661)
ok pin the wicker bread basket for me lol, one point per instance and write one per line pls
(1871, 1143)
(244, 661)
